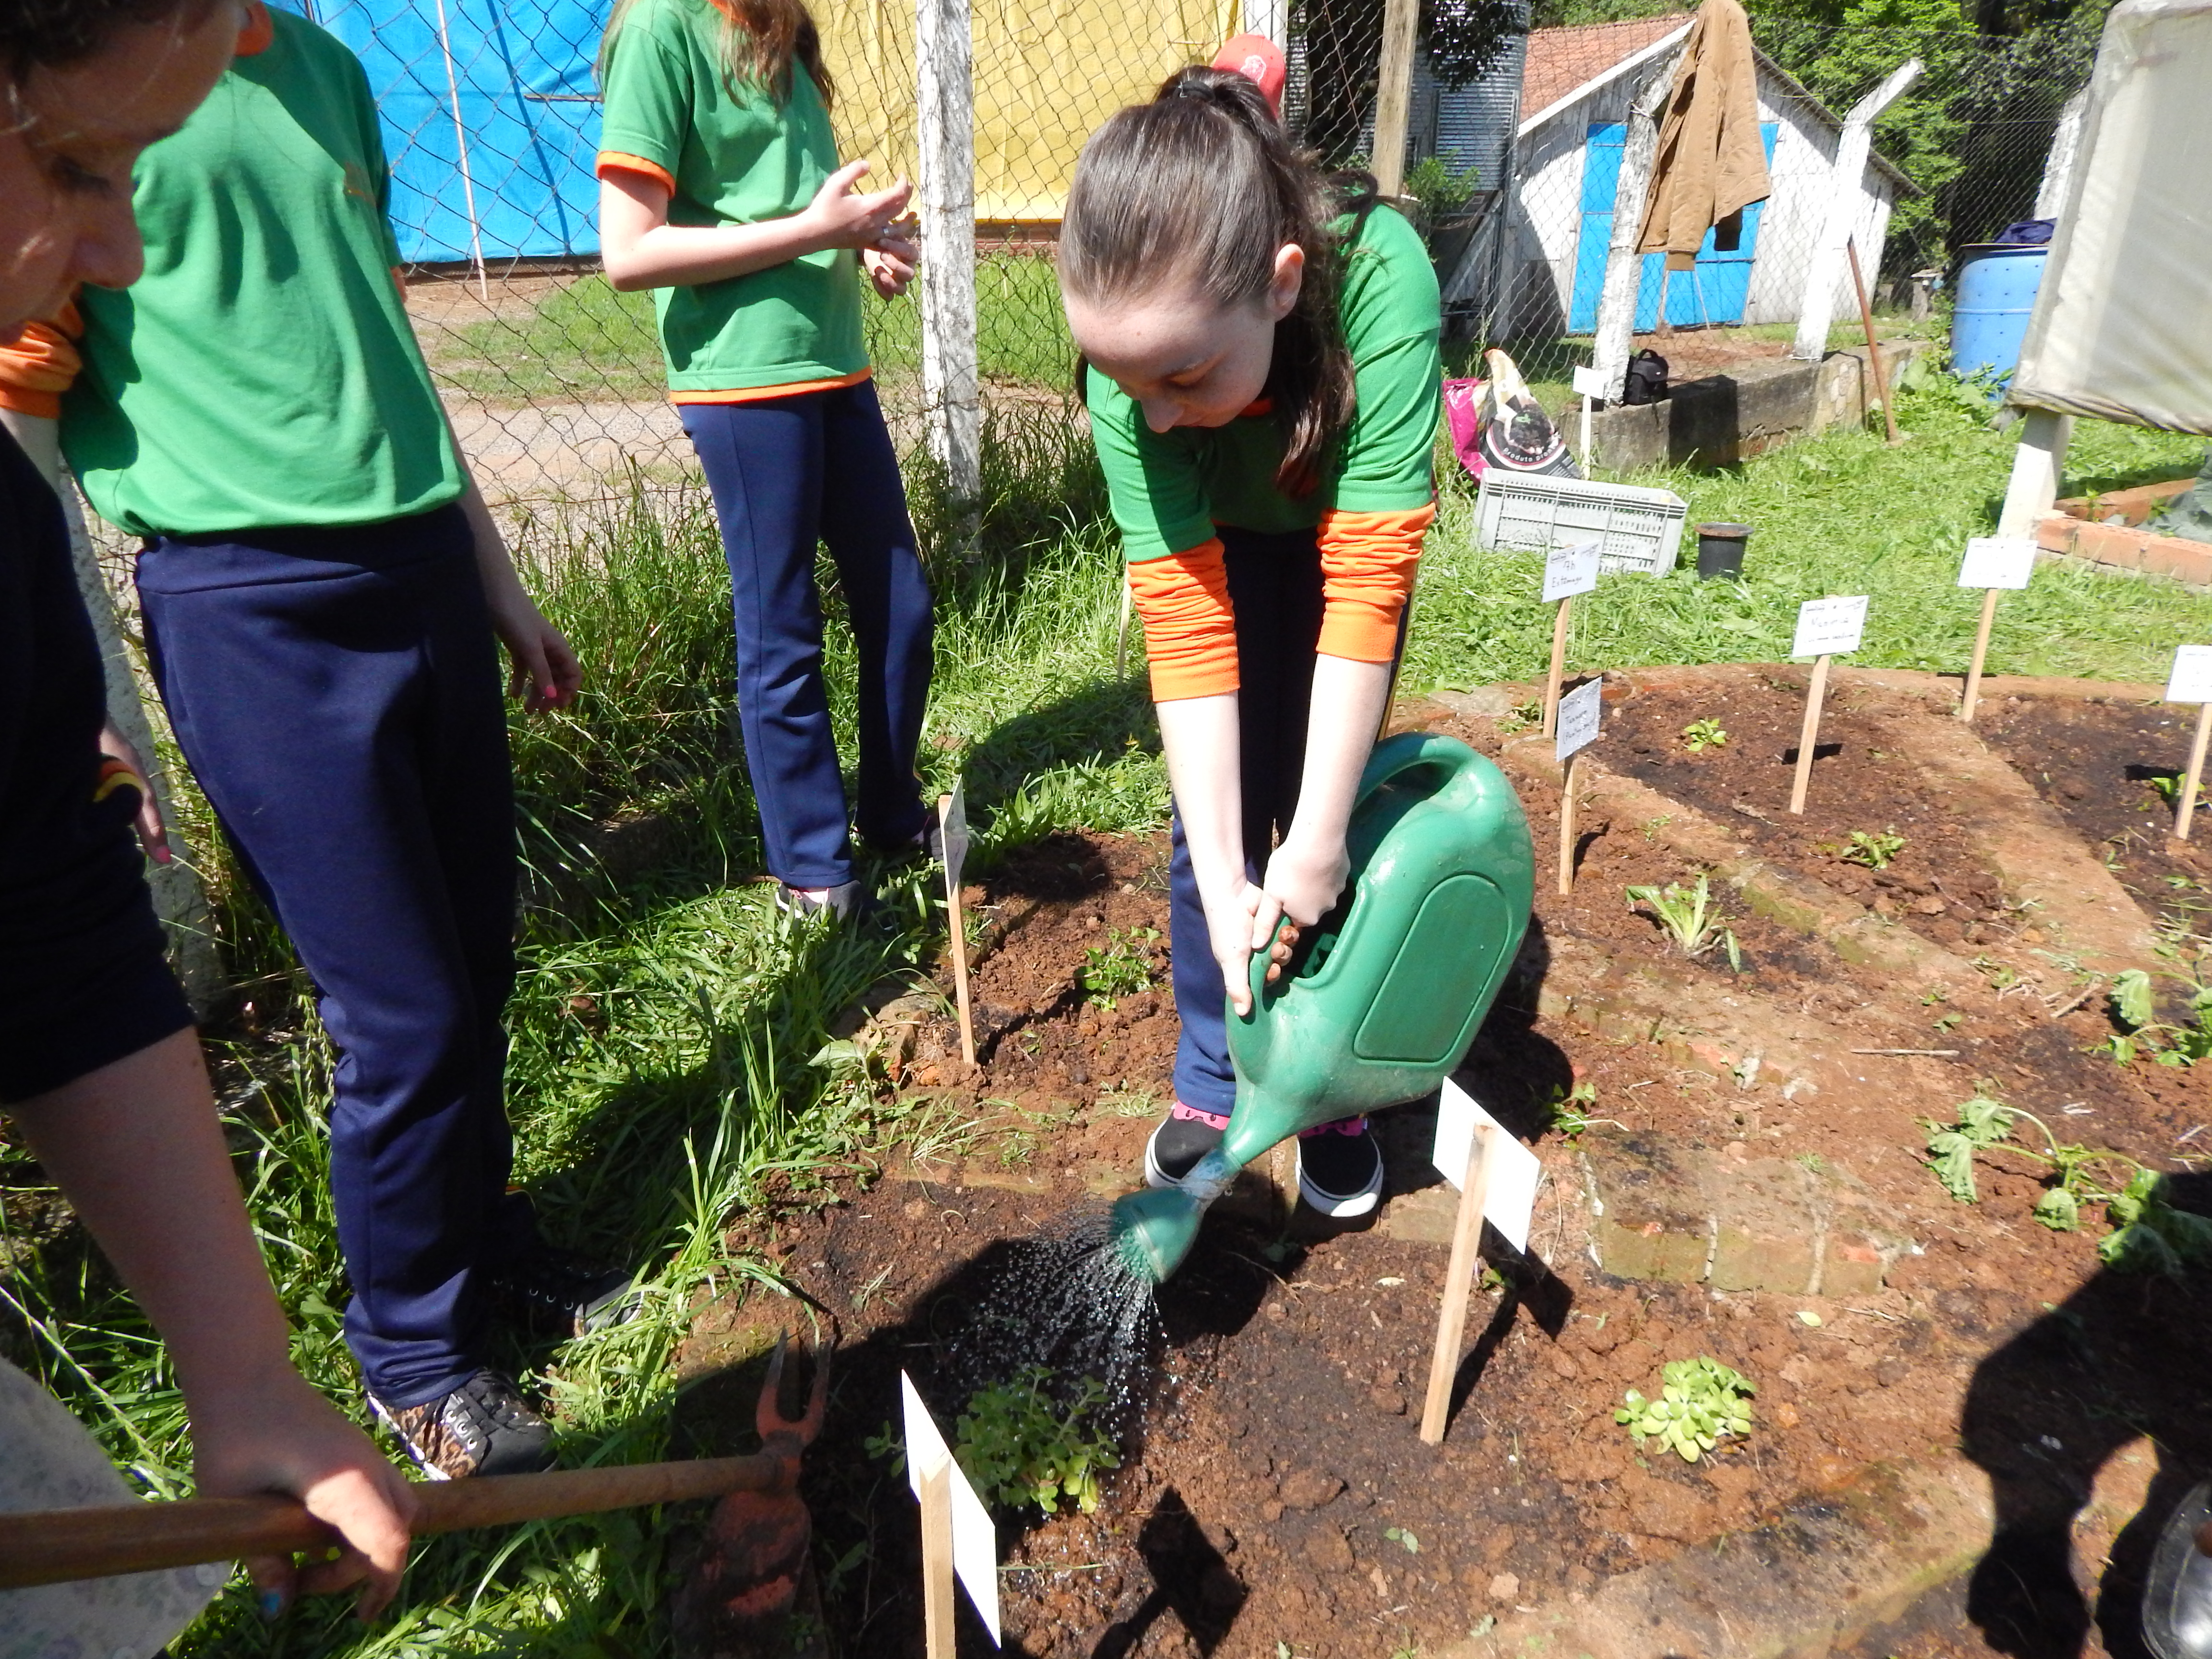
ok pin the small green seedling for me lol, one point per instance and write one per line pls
(1690, 918)
(1570, 1110)
(2150, 1235)
(1701, 1403)
(1019, 1445)
(1119, 968)
(1701, 735)
(1403, 1539)
(1873, 851)
(2135, 1006)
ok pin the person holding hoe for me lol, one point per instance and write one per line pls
(1261, 371)
(100, 1071)
(323, 588)
(720, 191)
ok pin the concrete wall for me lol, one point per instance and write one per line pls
(1727, 417)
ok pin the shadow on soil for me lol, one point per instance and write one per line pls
(2125, 1356)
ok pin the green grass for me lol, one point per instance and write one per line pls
(1842, 513)
(582, 341)
(666, 1018)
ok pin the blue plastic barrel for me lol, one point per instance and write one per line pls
(1996, 295)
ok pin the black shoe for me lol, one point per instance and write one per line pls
(1340, 1167)
(1182, 1138)
(846, 902)
(554, 1290)
(482, 1427)
(928, 842)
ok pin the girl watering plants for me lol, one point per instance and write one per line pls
(720, 191)
(324, 593)
(1263, 378)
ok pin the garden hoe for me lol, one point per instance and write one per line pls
(1383, 995)
(736, 1596)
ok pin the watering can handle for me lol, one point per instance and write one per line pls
(1391, 756)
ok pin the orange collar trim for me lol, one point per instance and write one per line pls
(259, 31)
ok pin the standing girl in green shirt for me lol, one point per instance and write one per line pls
(1262, 383)
(720, 191)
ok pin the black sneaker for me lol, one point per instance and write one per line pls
(846, 902)
(482, 1427)
(1340, 1167)
(928, 842)
(554, 1290)
(1182, 1138)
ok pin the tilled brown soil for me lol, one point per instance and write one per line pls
(1276, 1498)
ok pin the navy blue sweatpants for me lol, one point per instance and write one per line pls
(337, 695)
(1275, 591)
(787, 473)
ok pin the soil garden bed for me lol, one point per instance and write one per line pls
(1735, 1167)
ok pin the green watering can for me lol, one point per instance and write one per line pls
(1384, 994)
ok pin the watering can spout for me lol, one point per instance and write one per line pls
(1154, 1229)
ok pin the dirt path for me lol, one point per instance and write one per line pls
(1749, 1184)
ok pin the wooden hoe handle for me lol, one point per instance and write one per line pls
(51, 1546)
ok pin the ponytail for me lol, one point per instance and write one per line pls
(1203, 185)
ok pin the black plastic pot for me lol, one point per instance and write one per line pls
(1720, 550)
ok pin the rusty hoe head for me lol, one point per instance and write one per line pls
(737, 1599)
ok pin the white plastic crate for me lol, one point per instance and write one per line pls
(1635, 527)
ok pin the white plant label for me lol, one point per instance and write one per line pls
(952, 823)
(1997, 561)
(1580, 713)
(1510, 1204)
(1829, 628)
(1589, 382)
(2191, 679)
(974, 1541)
(1569, 570)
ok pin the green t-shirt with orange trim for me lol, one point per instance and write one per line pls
(730, 153)
(1170, 488)
(263, 371)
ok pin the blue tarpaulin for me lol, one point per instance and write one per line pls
(512, 176)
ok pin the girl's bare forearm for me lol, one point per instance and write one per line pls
(682, 256)
(1348, 702)
(1200, 736)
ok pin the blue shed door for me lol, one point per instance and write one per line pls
(1722, 283)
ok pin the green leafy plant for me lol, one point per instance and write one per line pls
(1441, 189)
(1875, 852)
(1403, 1539)
(1569, 1109)
(1119, 968)
(1701, 1403)
(2135, 1004)
(2148, 1234)
(1701, 735)
(1021, 1442)
(1689, 917)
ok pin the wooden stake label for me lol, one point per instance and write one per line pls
(1830, 628)
(2005, 562)
(2190, 680)
(1580, 712)
(973, 1543)
(952, 826)
(1569, 570)
(1510, 1204)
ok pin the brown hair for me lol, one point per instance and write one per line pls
(37, 34)
(759, 40)
(1203, 183)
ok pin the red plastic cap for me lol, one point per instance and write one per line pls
(1259, 61)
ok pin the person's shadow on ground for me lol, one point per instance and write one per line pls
(2127, 1356)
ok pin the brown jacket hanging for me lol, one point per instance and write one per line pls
(1711, 164)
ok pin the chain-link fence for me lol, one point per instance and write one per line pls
(1515, 141)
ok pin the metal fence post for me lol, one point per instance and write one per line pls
(952, 392)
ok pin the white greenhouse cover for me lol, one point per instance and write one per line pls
(2123, 326)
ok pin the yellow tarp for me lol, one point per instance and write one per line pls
(1045, 75)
